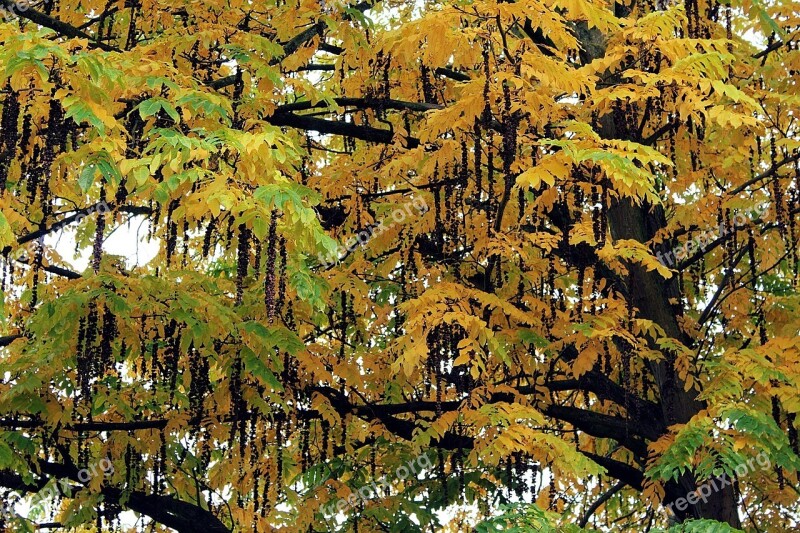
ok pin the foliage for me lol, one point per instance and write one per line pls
(497, 182)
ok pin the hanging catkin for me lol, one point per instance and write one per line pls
(161, 458)
(490, 200)
(776, 416)
(579, 296)
(199, 385)
(208, 235)
(794, 200)
(281, 297)
(279, 457)
(172, 354)
(266, 469)
(185, 254)
(107, 337)
(172, 231)
(596, 224)
(269, 280)
(256, 256)
(343, 325)
(237, 401)
(791, 431)
(478, 152)
(777, 192)
(305, 449)
(8, 133)
(242, 262)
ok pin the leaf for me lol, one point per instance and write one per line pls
(7, 237)
(255, 366)
(152, 106)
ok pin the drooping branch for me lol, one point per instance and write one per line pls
(182, 516)
(177, 514)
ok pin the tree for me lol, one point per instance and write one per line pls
(523, 262)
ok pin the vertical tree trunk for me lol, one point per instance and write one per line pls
(651, 295)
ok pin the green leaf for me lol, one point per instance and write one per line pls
(86, 179)
(80, 112)
(700, 526)
(103, 162)
(256, 367)
(6, 455)
(149, 108)
(7, 237)
(152, 106)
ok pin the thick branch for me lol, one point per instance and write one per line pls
(182, 516)
(602, 426)
(62, 28)
(362, 103)
(594, 424)
(5, 341)
(622, 471)
(348, 129)
(606, 390)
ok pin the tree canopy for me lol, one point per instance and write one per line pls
(525, 264)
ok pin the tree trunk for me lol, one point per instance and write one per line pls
(651, 295)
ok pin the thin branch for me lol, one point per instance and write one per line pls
(600, 501)
(772, 47)
(773, 170)
(57, 270)
(729, 272)
(294, 44)
(452, 74)
(666, 128)
(99, 18)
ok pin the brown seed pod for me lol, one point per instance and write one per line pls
(242, 262)
(269, 280)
